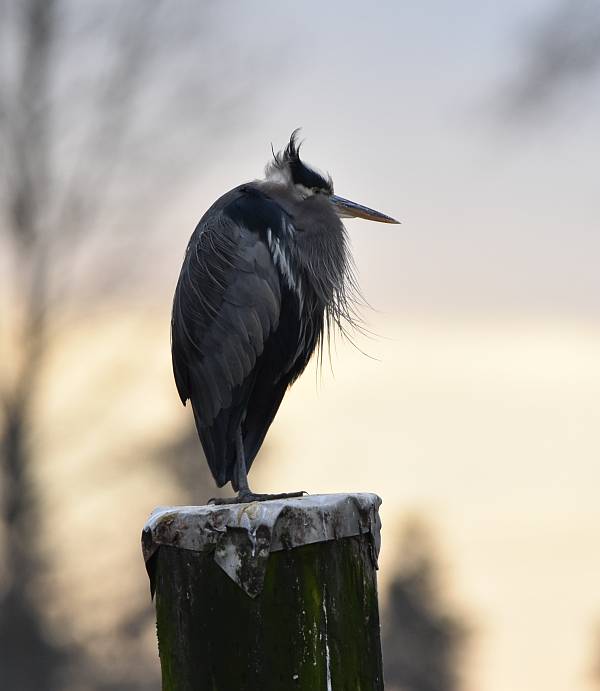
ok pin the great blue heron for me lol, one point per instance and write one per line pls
(266, 273)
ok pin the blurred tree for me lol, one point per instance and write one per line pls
(25, 145)
(595, 669)
(422, 641)
(561, 51)
(96, 99)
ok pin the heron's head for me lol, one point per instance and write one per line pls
(301, 183)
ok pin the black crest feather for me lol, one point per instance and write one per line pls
(292, 150)
(301, 173)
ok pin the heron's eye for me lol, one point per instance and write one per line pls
(305, 192)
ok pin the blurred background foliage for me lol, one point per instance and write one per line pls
(113, 117)
(423, 640)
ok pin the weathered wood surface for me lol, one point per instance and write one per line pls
(312, 626)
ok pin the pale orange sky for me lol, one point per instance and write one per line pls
(488, 428)
(492, 430)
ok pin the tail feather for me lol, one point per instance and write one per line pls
(218, 453)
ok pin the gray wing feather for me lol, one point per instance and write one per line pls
(227, 303)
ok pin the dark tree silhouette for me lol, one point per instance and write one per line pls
(422, 641)
(96, 99)
(26, 147)
(595, 667)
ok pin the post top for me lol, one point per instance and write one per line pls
(243, 535)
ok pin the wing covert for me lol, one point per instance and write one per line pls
(227, 303)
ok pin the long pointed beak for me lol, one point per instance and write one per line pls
(347, 209)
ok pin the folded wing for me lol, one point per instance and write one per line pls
(227, 304)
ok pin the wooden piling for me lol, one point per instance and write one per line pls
(268, 596)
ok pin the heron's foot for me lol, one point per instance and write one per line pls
(247, 497)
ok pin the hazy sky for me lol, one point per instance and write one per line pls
(404, 106)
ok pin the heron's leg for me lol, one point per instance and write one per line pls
(240, 470)
(245, 495)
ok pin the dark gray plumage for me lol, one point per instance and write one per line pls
(267, 273)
